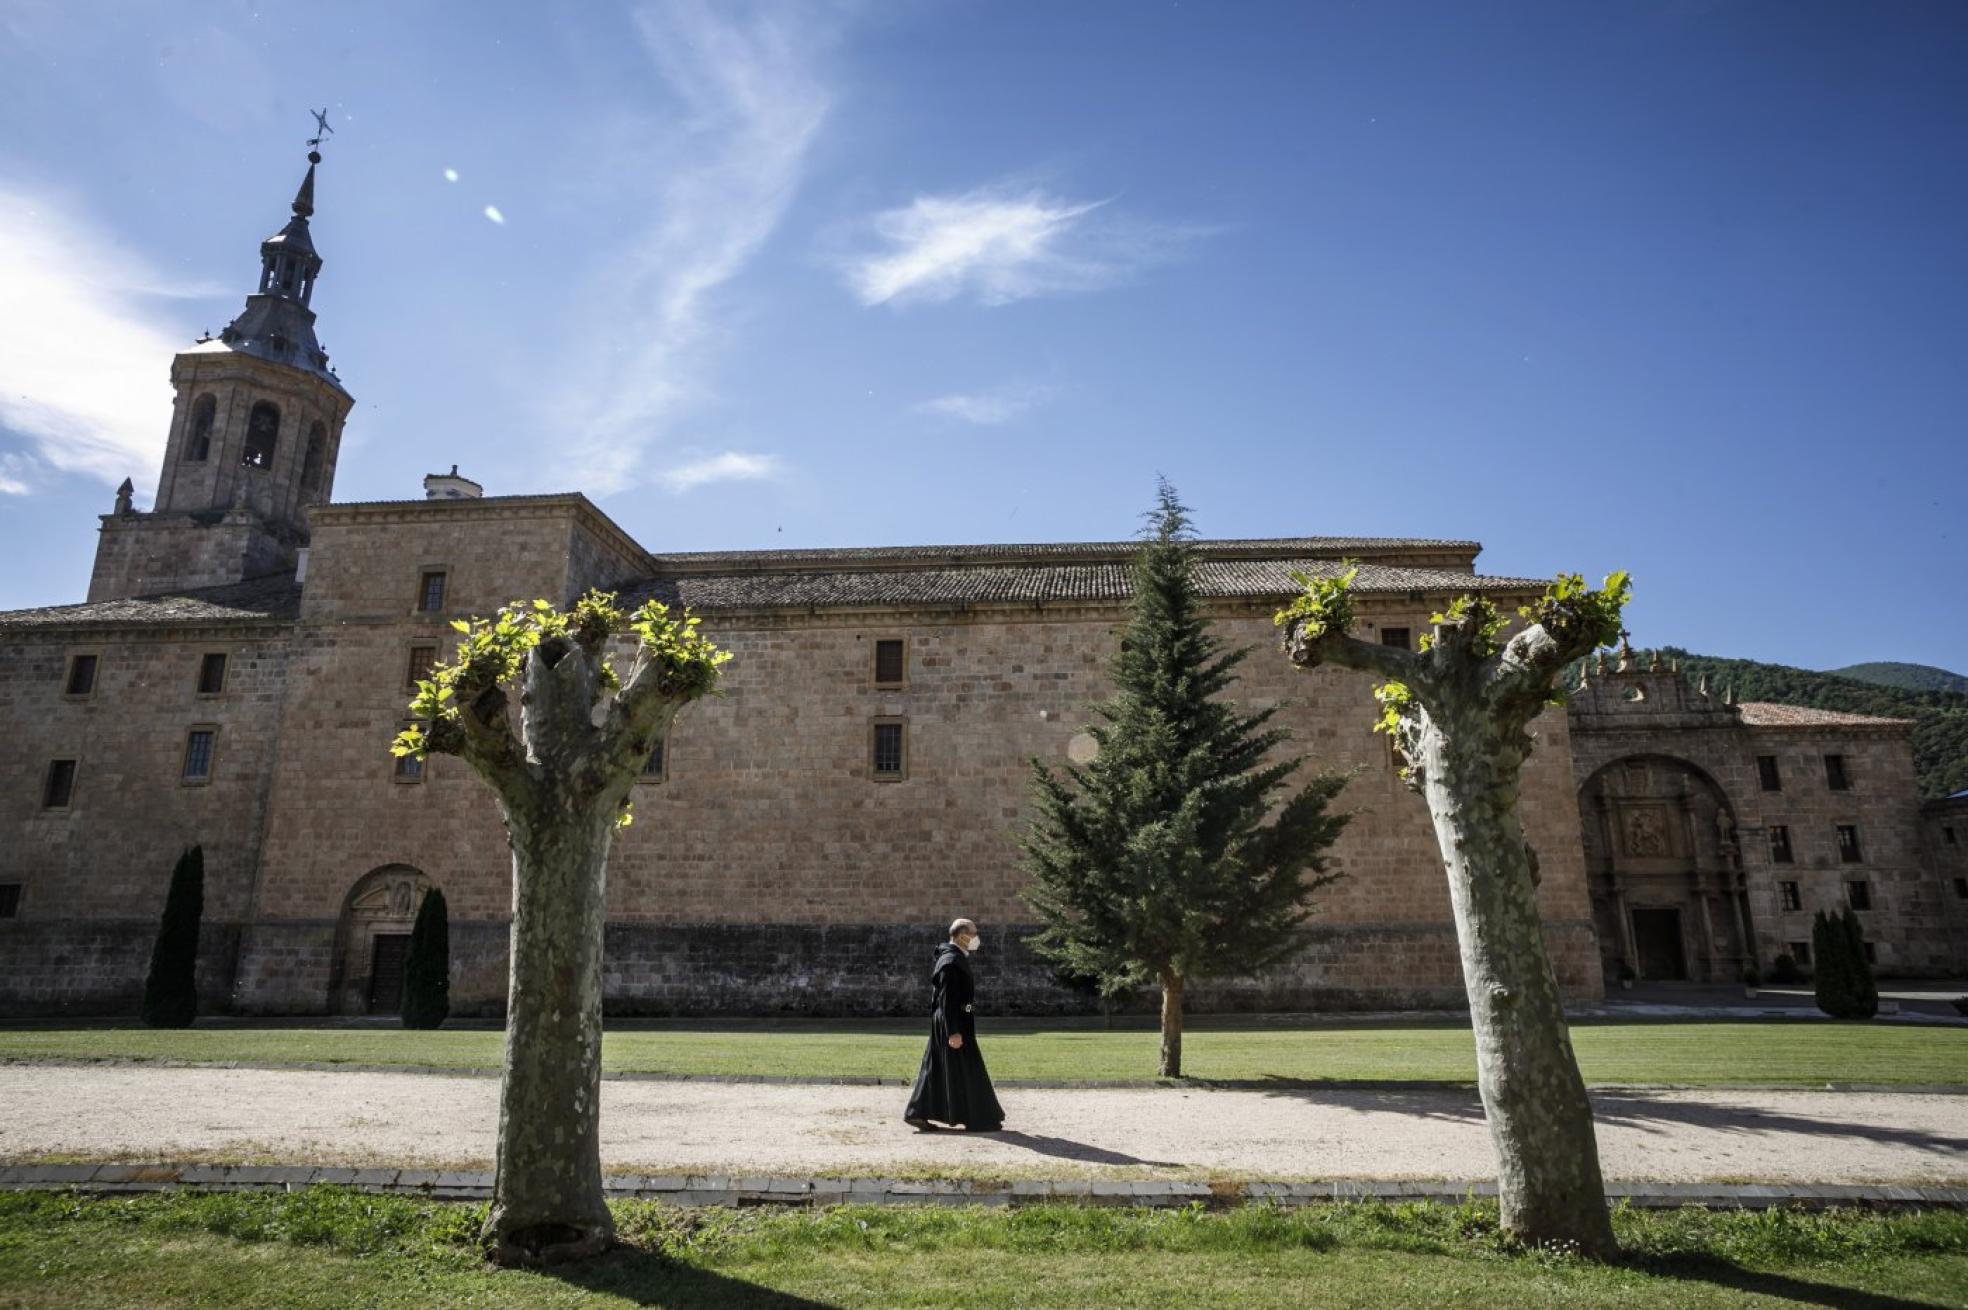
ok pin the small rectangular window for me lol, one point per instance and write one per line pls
(212, 673)
(1871, 952)
(198, 755)
(1766, 773)
(430, 591)
(408, 767)
(81, 676)
(60, 785)
(10, 900)
(1793, 895)
(1780, 844)
(1961, 888)
(890, 749)
(653, 766)
(1800, 952)
(419, 668)
(1858, 894)
(1947, 836)
(1402, 637)
(1848, 843)
(1835, 773)
(891, 666)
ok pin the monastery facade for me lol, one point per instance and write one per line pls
(247, 647)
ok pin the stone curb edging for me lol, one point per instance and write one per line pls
(1017, 1084)
(731, 1190)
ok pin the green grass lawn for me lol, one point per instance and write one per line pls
(330, 1248)
(1690, 1053)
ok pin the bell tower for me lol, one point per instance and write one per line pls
(256, 426)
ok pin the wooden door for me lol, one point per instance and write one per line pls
(386, 972)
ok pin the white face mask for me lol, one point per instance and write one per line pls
(976, 943)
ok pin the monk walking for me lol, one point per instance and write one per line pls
(953, 1087)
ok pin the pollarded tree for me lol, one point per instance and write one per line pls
(1458, 712)
(562, 782)
(1155, 862)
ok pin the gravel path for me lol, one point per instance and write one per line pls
(424, 1120)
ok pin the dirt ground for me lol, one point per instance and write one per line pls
(270, 1116)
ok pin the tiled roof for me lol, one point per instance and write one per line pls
(1044, 551)
(276, 597)
(1762, 714)
(1268, 579)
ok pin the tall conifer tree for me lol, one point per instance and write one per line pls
(1154, 862)
(170, 998)
(427, 966)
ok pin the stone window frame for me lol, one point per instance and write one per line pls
(1790, 894)
(67, 805)
(1782, 850)
(420, 590)
(1858, 893)
(401, 766)
(11, 894)
(1850, 849)
(410, 649)
(68, 672)
(1405, 629)
(211, 761)
(660, 752)
(225, 674)
(1770, 778)
(1837, 776)
(887, 720)
(874, 665)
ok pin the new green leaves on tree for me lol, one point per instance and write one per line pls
(427, 965)
(170, 998)
(1164, 859)
(1458, 711)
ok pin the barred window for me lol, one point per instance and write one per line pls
(890, 749)
(81, 676)
(419, 668)
(652, 767)
(198, 755)
(430, 591)
(1793, 895)
(1402, 637)
(1780, 844)
(409, 768)
(1848, 843)
(1858, 894)
(212, 674)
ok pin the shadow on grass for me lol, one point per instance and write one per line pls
(1722, 1273)
(651, 1279)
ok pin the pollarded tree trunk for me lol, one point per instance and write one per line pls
(547, 1198)
(1459, 713)
(1548, 1178)
(1171, 1026)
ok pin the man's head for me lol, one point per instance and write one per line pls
(964, 933)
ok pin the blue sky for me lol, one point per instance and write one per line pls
(1679, 287)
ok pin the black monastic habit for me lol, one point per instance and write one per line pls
(953, 1087)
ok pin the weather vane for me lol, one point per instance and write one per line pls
(321, 129)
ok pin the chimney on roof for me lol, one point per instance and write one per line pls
(451, 486)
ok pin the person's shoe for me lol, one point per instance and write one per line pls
(920, 1125)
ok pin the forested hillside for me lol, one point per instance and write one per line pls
(1907, 677)
(1940, 733)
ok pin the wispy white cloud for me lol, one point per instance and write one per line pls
(731, 466)
(753, 102)
(84, 349)
(988, 408)
(997, 245)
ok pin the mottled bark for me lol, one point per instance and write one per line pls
(1171, 1026)
(1463, 735)
(547, 1200)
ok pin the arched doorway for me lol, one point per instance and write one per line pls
(1665, 870)
(373, 937)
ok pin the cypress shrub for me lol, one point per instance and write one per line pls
(1864, 988)
(427, 966)
(170, 997)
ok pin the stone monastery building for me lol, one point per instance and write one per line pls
(247, 646)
